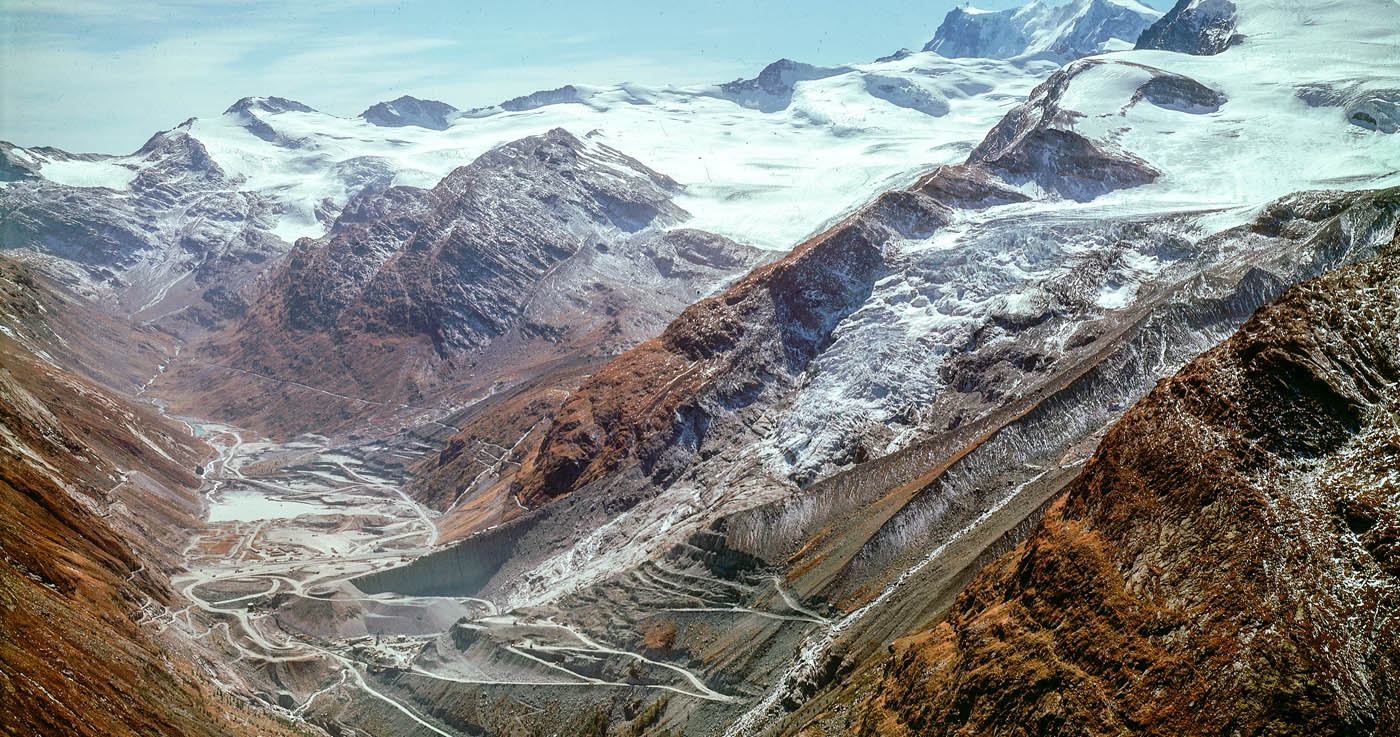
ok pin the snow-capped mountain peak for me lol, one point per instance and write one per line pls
(772, 89)
(268, 105)
(1200, 27)
(407, 110)
(1038, 31)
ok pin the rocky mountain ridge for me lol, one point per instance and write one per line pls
(546, 249)
(1059, 33)
(170, 233)
(408, 110)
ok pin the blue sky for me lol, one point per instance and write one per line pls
(103, 75)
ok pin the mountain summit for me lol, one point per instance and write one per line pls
(268, 105)
(1038, 31)
(430, 114)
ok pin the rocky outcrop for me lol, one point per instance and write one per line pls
(1371, 109)
(557, 96)
(1378, 111)
(15, 163)
(1180, 93)
(1225, 563)
(772, 89)
(406, 110)
(1036, 142)
(274, 104)
(1199, 27)
(249, 112)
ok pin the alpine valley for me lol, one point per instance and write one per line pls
(1045, 381)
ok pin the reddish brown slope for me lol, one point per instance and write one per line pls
(97, 495)
(724, 351)
(1226, 564)
(45, 318)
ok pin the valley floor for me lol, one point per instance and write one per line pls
(269, 584)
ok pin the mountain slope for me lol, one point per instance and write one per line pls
(1042, 32)
(410, 111)
(1226, 562)
(543, 250)
(98, 497)
(1095, 131)
(875, 417)
(163, 231)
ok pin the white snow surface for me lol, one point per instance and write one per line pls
(80, 173)
(768, 179)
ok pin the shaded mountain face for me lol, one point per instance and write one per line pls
(407, 110)
(1038, 31)
(1226, 562)
(1037, 141)
(1201, 27)
(547, 241)
(471, 246)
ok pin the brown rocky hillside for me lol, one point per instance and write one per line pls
(1227, 564)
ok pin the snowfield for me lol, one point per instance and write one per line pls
(765, 178)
